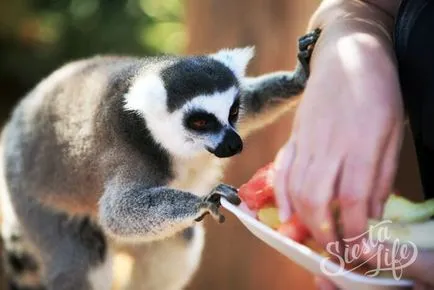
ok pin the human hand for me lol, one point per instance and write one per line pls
(346, 136)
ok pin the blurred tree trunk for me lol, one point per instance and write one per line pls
(233, 258)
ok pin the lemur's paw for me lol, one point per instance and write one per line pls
(208, 207)
(306, 41)
(226, 191)
(211, 202)
(305, 48)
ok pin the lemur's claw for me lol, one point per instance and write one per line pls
(306, 41)
(305, 48)
(211, 202)
(226, 191)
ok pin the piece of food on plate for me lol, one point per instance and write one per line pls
(258, 192)
(410, 220)
(258, 196)
(400, 209)
(406, 221)
(295, 230)
(270, 216)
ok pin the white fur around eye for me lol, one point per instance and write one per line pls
(218, 104)
(236, 59)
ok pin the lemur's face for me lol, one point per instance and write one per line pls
(193, 105)
(209, 122)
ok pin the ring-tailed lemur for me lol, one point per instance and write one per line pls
(122, 153)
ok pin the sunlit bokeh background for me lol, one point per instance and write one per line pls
(37, 36)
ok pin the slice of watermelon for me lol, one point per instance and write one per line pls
(258, 195)
(258, 191)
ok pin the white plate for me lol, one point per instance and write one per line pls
(310, 260)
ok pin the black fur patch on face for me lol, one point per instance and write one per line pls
(132, 129)
(211, 123)
(193, 76)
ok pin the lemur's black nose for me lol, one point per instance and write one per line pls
(230, 145)
(234, 142)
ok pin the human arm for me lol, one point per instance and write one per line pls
(348, 128)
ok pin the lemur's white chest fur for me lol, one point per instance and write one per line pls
(198, 175)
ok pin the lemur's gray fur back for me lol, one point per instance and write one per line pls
(81, 177)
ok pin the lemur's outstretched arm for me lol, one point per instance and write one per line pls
(143, 213)
(148, 214)
(267, 92)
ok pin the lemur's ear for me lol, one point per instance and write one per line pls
(236, 59)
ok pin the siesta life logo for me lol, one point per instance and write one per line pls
(394, 258)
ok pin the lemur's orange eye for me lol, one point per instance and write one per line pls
(200, 124)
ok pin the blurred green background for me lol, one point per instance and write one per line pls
(36, 36)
